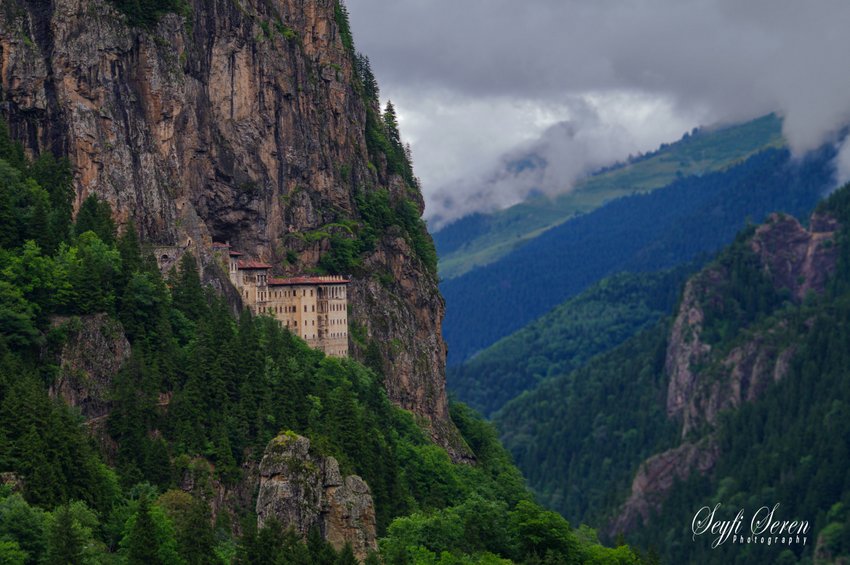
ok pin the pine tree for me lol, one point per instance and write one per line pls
(142, 543)
(197, 540)
(363, 68)
(64, 540)
(130, 250)
(391, 123)
(55, 176)
(321, 552)
(96, 215)
(347, 557)
(187, 292)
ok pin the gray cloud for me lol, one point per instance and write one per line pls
(704, 61)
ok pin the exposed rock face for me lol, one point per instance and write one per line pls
(742, 376)
(795, 258)
(825, 555)
(198, 478)
(704, 381)
(95, 350)
(13, 481)
(685, 348)
(303, 490)
(657, 476)
(243, 124)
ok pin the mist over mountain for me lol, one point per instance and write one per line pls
(549, 165)
(641, 232)
(653, 67)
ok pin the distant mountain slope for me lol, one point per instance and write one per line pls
(481, 239)
(741, 398)
(566, 338)
(643, 232)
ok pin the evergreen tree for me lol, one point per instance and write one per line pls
(64, 541)
(363, 67)
(187, 292)
(346, 556)
(11, 553)
(11, 151)
(55, 176)
(391, 124)
(142, 543)
(130, 251)
(96, 215)
(321, 552)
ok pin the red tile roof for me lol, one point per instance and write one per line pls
(235, 254)
(308, 281)
(253, 265)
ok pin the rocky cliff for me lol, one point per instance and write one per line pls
(705, 380)
(95, 349)
(657, 476)
(244, 121)
(707, 377)
(303, 490)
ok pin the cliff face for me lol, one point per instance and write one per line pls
(706, 379)
(704, 382)
(657, 476)
(94, 352)
(242, 123)
(303, 490)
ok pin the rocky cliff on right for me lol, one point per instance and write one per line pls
(757, 366)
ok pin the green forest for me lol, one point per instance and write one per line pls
(689, 219)
(202, 393)
(580, 436)
(566, 338)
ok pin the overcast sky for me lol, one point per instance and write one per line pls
(586, 82)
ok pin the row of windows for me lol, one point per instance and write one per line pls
(289, 293)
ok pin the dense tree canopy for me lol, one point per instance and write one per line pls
(200, 396)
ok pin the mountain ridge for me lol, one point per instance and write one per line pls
(481, 239)
(710, 405)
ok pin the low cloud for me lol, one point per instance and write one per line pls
(551, 164)
(842, 163)
(705, 61)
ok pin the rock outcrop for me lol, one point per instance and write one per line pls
(705, 380)
(12, 481)
(685, 348)
(95, 350)
(657, 476)
(303, 490)
(795, 258)
(243, 123)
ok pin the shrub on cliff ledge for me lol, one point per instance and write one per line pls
(146, 13)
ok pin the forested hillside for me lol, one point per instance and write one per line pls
(642, 232)
(480, 239)
(763, 417)
(566, 338)
(156, 462)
